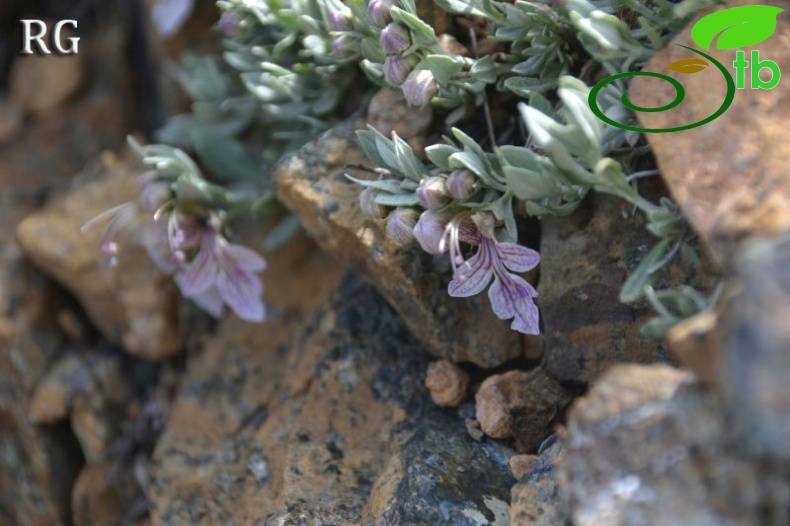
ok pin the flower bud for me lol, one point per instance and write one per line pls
(153, 193)
(345, 46)
(400, 226)
(419, 87)
(461, 184)
(367, 203)
(429, 231)
(230, 24)
(396, 69)
(432, 193)
(340, 20)
(379, 12)
(395, 39)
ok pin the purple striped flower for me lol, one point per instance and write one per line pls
(510, 295)
(394, 39)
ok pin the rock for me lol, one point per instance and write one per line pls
(388, 112)
(754, 335)
(10, 119)
(294, 421)
(585, 259)
(695, 342)
(54, 396)
(103, 495)
(447, 383)
(132, 304)
(535, 497)
(56, 78)
(520, 404)
(442, 477)
(729, 176)
(311, 183)
(521, 464)
(649, 445)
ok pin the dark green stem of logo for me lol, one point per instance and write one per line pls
(680, 93)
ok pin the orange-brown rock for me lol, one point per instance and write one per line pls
(730, 175)
(447, 383)
(133, 304)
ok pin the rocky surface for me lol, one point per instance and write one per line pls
(585, 259)
(312, 184)
(649, 445)
(126, 302)
(729, 176)
(535, 497)
(523, 405)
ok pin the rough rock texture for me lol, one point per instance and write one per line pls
(388, 112)
(755, 340)
(649, 445)
(730, 175)
(520, 404)
(312, 185)
(585, 259)
(535, 498)
(100, 495)
(293, 422)
(128, 303)
(447, 383)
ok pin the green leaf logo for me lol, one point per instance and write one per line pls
(739, 27)
(688, 65)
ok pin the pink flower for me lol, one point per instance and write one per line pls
(224, 274)
(510, 295)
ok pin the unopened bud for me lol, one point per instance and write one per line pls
(379, 12)
(433, 193)
(230, 23)
(395, 39)
(419, 87)
(461, 184)
(400, 226)
(345, 46)
(340, 20)
(369, 206)
(429, 231)
(396, 69)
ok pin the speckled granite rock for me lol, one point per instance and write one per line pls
(649, 445)
(312, 184)
(294, 422)
(535, 498)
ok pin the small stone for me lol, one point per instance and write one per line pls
(696, 344)
(388, 112)
(521, 464)
(447, 383)
(520, 404)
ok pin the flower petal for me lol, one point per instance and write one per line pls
(516, 257)
(242, 291)
(527, 319)
(200, 274)
(474, 274)
(242, 257)
(210, 301)
(510, 296)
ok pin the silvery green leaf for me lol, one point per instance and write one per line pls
(282, 233)
(484, 70)
(391, 186)
(224, 156)
(542, 104)
(439, 154)
(461, 7)
(409, 164)
(443, 67)
(422, 33)
(634, 287)
(609, 178)
(532, 184)
(368, 140)
(525, 86)
(397, 199)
